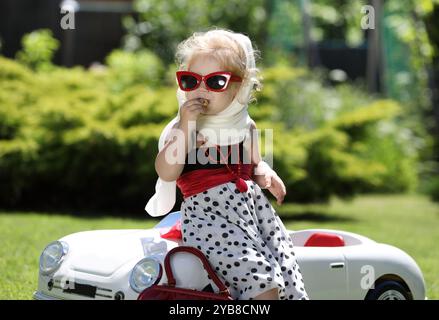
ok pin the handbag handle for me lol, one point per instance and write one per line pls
(171, 280)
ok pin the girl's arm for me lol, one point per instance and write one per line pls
(175, 150)
(264, 176)
(255, 154)
(170, 160)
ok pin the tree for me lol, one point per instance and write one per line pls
(161, 25)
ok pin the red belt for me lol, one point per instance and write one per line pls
(200, 180)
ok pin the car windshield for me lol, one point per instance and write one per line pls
(169, 220)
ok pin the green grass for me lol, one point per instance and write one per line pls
(410, 222)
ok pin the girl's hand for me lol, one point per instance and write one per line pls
(191, 109)
(271, 181)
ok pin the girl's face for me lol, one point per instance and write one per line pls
(218, 101)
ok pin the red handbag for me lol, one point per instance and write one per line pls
(171, 292)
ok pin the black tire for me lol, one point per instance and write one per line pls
(388, 290)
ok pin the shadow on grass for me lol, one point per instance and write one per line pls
(85, 213)
(314, 216)
(141, 215)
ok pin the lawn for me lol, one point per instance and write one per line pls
(410, 222)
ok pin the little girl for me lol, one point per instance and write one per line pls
(224, 213)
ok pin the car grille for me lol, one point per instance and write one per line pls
(82, 289)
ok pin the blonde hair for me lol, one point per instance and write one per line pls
(228, 52)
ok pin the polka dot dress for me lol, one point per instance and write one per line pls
(244, 240)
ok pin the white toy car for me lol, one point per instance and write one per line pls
(120, 264)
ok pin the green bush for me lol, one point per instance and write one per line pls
(38, 49)
(82, 145)
(128, 69)
(301, 100)
(354, 142)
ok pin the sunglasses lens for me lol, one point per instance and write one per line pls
(188, 82)
(217, 82)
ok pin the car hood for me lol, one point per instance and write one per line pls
(103, 252)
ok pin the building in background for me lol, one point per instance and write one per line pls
(98, 27)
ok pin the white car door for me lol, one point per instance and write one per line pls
(324, 271)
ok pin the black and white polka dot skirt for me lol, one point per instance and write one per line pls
(244, 240)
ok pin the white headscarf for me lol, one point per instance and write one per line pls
(232, 123)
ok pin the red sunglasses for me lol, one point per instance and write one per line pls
(216, 81)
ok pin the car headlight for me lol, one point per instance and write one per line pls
(146, 272)
(52, 256)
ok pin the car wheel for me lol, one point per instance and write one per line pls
(388, 290)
